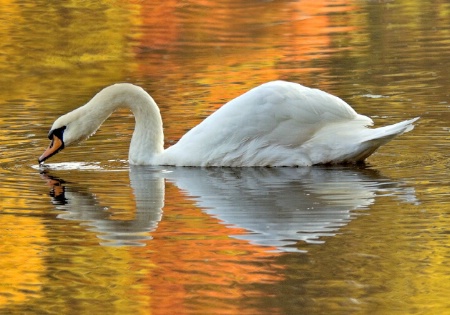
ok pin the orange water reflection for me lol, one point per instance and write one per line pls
(211, 268)
(247, 46)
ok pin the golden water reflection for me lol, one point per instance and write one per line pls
(199, 237)
(381, 248)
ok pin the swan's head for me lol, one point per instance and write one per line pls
(56, 144)
(84, 121)
(69, 129)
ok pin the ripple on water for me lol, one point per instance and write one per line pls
(69, 166)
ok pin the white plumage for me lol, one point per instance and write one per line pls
(275, 124)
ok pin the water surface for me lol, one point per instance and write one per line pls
(89, 234)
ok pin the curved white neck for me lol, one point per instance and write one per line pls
(147, 140)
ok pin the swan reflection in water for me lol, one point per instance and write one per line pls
(80, 205)
(279, 207)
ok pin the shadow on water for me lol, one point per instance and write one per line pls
(278, 207)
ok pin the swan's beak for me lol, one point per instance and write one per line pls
(55, 146)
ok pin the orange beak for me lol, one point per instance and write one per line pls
(55, 146)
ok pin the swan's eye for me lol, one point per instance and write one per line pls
(57, 132)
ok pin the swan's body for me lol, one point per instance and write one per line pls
(276, 124)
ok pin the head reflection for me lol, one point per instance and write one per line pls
(78, 204)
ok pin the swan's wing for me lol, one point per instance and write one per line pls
(287, 113)
(277, 113)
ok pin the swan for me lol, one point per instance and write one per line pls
(278, 123)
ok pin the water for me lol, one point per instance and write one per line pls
(88, 234)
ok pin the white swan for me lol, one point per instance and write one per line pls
(276, 124)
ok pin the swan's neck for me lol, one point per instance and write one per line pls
(148, 139)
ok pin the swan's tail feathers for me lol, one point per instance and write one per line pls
(383, 135)
(380, 136)
(387, 133)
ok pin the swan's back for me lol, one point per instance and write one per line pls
(274, 124)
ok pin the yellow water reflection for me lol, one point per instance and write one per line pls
(21, 271)
(388, 59)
